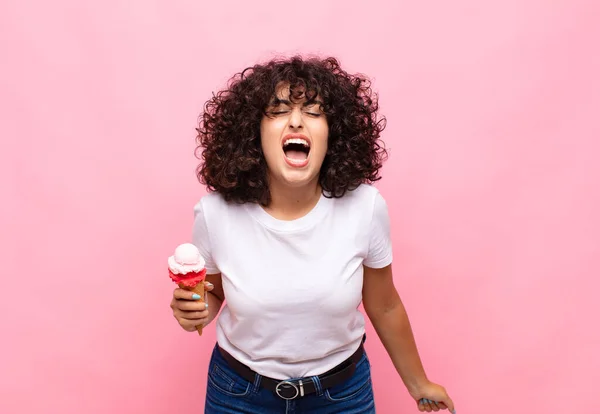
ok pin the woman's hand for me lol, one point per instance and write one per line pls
(189, 310)
(433, 397)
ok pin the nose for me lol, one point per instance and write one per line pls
(296, 119)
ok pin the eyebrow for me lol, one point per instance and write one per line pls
(277, 101)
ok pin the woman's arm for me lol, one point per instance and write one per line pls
(390, 320)
(214, 297)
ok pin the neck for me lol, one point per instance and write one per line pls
(290, 203)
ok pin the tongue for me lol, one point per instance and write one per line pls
(295, 155)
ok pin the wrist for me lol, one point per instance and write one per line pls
(416, 385)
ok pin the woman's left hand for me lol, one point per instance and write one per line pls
(433, 397)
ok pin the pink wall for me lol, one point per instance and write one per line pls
(493, 183)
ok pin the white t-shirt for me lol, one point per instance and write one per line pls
(292, 288)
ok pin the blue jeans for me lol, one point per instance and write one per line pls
(229, 393)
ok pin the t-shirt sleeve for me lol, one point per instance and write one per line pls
(380, 242)
(201, 238)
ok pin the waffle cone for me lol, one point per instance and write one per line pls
(199, 290)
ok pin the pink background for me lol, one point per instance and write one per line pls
(493, 185)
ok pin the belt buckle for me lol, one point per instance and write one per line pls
(287, 390)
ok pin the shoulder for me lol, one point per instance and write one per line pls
(208, 206)
(214, 206)
(360, 204)
(369, 201)
(364, 194)
(210, 202)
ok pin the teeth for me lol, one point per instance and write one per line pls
(296, 141)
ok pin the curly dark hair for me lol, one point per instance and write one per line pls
(228, 138)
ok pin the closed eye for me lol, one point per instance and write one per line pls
(315, 114)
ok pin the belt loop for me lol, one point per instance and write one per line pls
(317, 383)
(257, 378)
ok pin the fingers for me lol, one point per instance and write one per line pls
(449, 404)
(427, 405)
(187, 301)
(192, 315)
(440, 401)
(446, 402)
(190, 306)
(184, 294)
(190, 320)
(208, 286)
(191, 325)
(189, 310)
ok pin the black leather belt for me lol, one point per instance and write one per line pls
(292, 389)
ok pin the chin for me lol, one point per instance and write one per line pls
(298, 180)
(293, 177)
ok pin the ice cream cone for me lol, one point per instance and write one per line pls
(199, 290)
(187, 269)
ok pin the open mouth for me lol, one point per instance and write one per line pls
(296, 149)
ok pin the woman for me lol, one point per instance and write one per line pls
(295, 237)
